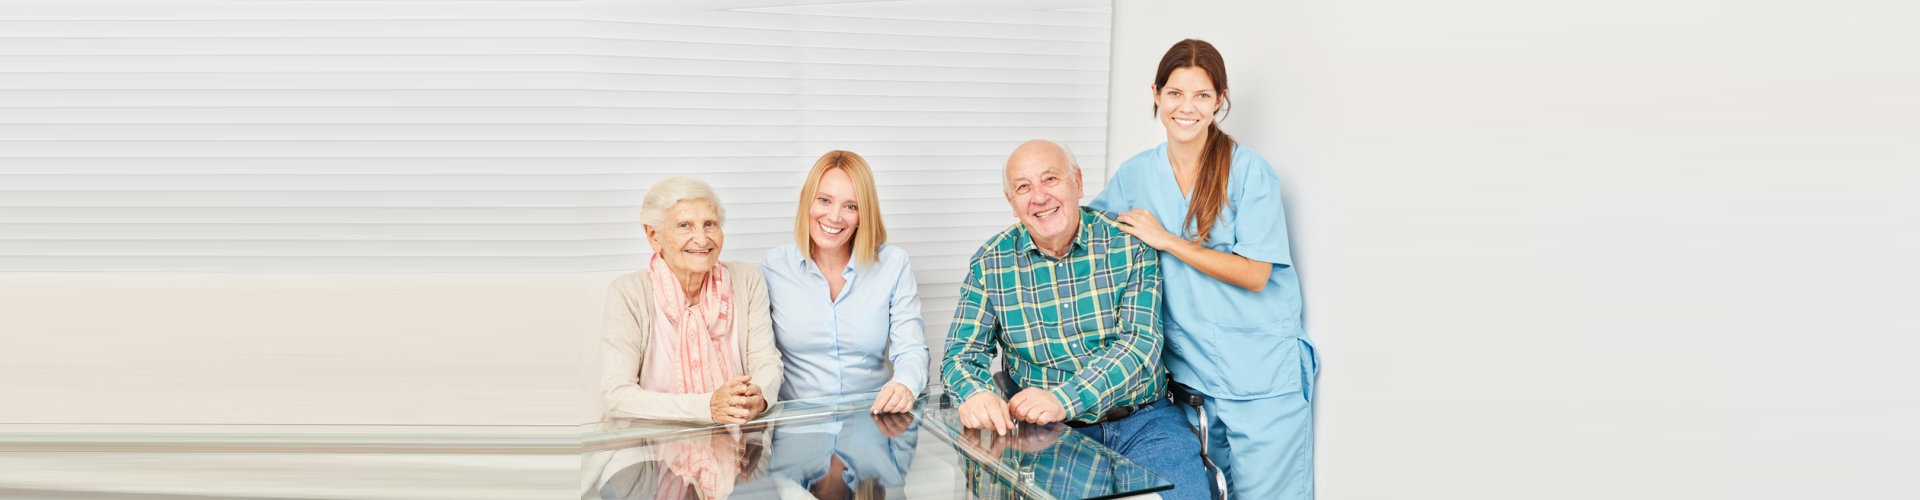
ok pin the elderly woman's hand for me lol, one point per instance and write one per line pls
(736, 401)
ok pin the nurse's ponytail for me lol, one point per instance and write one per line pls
(1216, 155)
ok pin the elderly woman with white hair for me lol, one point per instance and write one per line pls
(688, 338)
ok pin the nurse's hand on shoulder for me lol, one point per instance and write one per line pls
(985, 411)
(1142, 224)
(1037, 406)
(894, 398)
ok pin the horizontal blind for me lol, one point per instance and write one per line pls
(934, 94)
(299, 136)
(512, 136)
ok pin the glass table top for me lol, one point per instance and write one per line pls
(820, 448)
(835, 448)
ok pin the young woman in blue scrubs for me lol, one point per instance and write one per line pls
(1232, 310)
(845, 304)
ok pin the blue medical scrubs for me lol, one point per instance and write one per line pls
(1245, 351)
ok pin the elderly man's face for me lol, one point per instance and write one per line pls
(690, 239)
(1044, 193)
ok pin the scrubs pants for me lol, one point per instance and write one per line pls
(1265, 446)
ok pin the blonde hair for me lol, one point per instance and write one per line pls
(869, 233)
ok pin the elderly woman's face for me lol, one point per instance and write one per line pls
(690, 240)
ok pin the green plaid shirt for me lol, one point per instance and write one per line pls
(1086, 327)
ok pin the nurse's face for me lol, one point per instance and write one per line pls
(835, 213)
(1187, 103)
(690, 242)
(1044, 193)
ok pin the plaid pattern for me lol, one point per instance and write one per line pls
(1064, 471)
(1085, 328)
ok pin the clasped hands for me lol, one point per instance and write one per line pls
(737, 401)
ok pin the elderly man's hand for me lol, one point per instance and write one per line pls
(1037, 406)
(985, 411)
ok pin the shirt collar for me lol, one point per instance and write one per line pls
(1081, 237)
(808, 265)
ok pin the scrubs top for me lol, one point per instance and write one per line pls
(1225, 341)
(839, 346)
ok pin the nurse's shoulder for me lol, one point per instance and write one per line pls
(1250, 170)
(1142, 162)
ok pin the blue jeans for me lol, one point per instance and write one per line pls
(1158, 439)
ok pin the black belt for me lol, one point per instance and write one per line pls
(1114, 414)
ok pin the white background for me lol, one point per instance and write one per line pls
(1586, 250)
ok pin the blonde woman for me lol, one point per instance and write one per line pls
(845, 304)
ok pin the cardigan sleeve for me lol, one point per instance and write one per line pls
(627, 331)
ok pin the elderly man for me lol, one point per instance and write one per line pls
(1072, 303)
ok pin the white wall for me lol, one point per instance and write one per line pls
(1608, 250)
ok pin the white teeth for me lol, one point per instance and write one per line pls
(1043, 215)
(1185, 122)
(829, 230)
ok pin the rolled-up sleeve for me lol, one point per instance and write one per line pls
(970, 341)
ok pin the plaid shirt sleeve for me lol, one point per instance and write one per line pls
(970, 341)
(1097, 390)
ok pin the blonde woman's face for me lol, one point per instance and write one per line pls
(834, 214)
(691, 238)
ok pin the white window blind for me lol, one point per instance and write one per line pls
(934, 94)
(515, 136)
(299, 136)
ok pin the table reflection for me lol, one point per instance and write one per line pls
(696, 467)
(834, 448)
(850, 456)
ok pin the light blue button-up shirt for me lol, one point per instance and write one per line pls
(1224, 340)
(833, 347)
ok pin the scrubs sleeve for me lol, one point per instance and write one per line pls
(1260, 231)
(970, 339)
(906, 335)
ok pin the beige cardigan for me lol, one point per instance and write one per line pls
(629, 330)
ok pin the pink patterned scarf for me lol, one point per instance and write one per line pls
(693, 346)
(693, 353)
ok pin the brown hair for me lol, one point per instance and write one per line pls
(869, 233)
(1216, 156)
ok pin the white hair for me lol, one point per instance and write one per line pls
(673, 190)
(1073, 164)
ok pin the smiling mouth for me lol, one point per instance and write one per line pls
(1186, 122)
(1047, 213)
(703, 251)
(832, 230)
